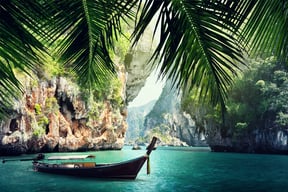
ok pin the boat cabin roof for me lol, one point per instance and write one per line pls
(71, 157)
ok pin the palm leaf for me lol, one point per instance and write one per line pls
(198, 43)
(19, 24)
(87, 30)
(266, 28)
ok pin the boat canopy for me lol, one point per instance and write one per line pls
(71, 157)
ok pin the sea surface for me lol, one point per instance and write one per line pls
(172, 169)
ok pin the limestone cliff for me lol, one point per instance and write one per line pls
(137, 67)
(255, 120)
(54, 116)
(269, 141)
(172, 125)
(137, 59)
(135, 121)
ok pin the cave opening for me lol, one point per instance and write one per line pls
(14, 125)
(47, 129)
(67, 108)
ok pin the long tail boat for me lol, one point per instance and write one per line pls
(76, 167)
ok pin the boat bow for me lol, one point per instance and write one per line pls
(122, 170)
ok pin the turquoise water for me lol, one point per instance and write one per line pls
(172, 169)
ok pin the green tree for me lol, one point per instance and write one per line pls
(258, 100)
(201, 41)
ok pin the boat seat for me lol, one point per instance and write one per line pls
(89, 164)
(79, 164)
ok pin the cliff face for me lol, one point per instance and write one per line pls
(137, 64)
(271, 141)
(137, 72)
(172, 125)
(53, 116)
(136, 120)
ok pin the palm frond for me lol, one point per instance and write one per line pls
(87, 30)
(266, 28)
(198, 42)
(19, 24)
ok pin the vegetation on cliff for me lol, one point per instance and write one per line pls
(160, 120)
(256, 103)
(258, 99)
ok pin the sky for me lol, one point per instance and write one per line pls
(151, 91)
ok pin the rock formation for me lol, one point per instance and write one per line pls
(136, 120)
(53, 116)
(269, 141)
(137, 60)
(171, 125)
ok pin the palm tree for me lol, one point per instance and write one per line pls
(201, 41)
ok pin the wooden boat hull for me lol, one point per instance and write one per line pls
(123, 170)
